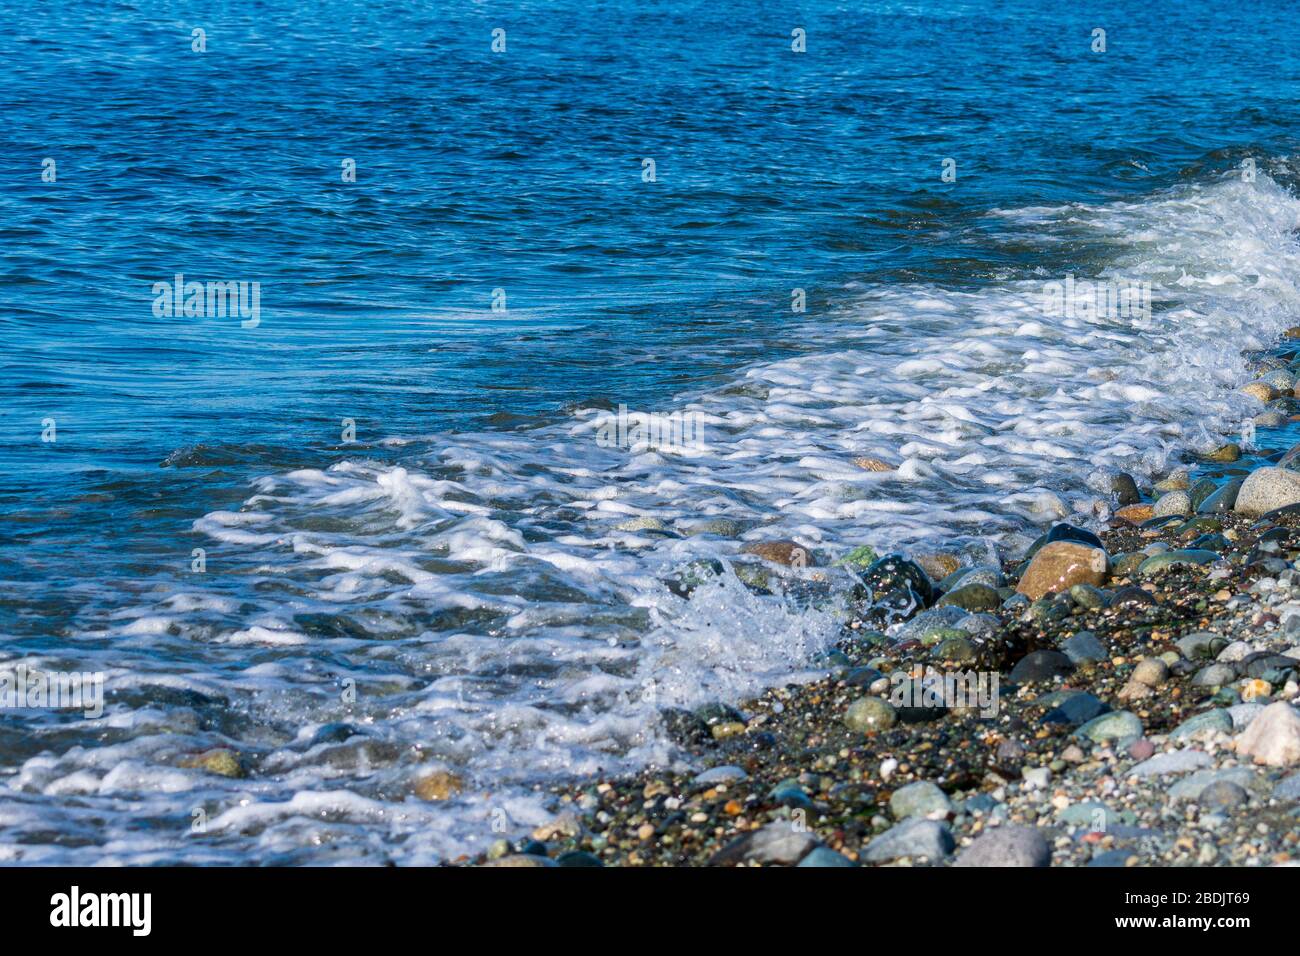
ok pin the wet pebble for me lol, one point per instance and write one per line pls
(870, 714)
(972, 597)
(1060, 565)
(1041, 666)
(1267, 489)
(1173, 503)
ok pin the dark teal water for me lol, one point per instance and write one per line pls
(522, 171)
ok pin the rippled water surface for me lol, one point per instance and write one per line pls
(473, 581)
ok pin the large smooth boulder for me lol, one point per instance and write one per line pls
(1267, 489)
(1273, 738)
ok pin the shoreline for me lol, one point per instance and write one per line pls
(1110, 712)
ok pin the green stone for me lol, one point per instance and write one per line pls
(972, 597)
(982, 574)
(754, 576)
(1223, 499)
(939, 635)
(1046, 610)
(955, 648)
(1200, 491)
(1217, 719)
(641, 523)
(1090, 813)
(836, 658)
(722, 527)
(1200, 525)
(1178, 481)
(1119, 726)
(1087, 596)
(1225, 453)
(859, 558)
(694, 574)
(1201, 644)
(1187, 558)
(1210, 542)
(1123, 565)
(870, 714)
(222, 762)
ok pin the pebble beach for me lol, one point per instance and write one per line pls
(1117, 696)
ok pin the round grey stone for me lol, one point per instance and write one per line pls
(1223, 795)
(1173, 503)
(1266, 489)
(920, 799)
(1008, 846)
(913, 838)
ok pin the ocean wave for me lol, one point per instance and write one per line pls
(500, 602)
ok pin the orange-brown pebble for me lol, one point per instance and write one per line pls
(1135, 514)
(439, 785)
(790, 553)
(874, 464)
(1059, 565)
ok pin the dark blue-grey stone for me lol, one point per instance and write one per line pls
(1041, 666)
(1084, 648)
(825, 856)
(1069, 532)
(862, 676)
(1111, 858)
(577, 858)
(1076, 710)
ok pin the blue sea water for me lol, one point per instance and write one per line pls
(473, 582)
